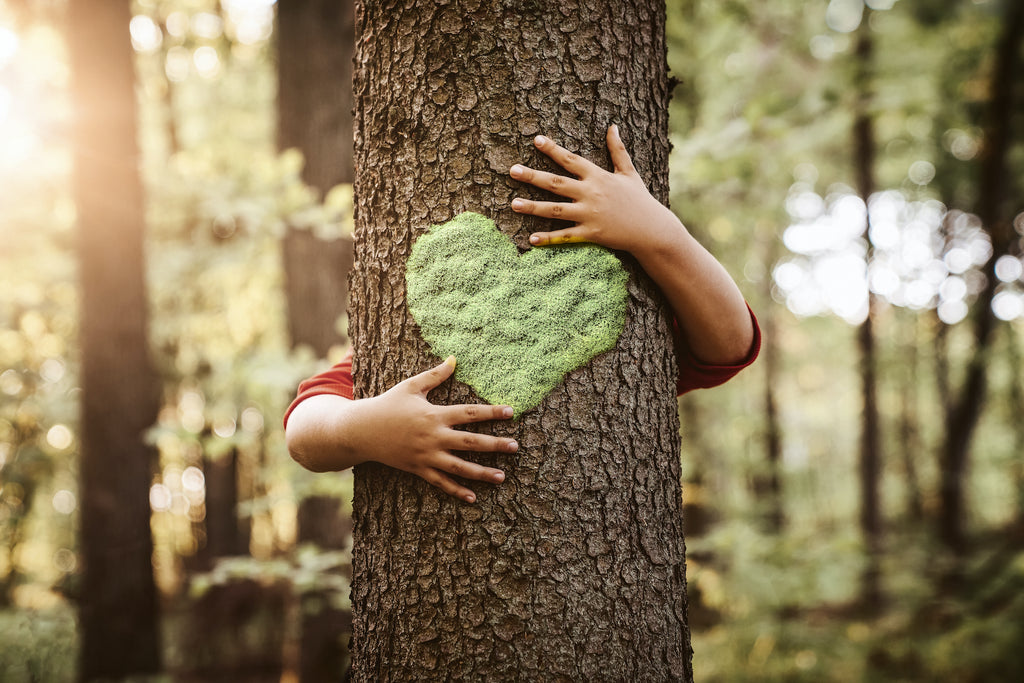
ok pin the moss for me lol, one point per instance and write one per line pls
(517, 324)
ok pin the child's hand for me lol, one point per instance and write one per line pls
(413, 434)
(614, 210)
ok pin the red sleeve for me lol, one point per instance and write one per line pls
(336, 381)
(695, 374)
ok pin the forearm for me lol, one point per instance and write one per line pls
(322, 433)
(709, 307)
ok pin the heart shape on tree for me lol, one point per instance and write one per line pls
(516, 324)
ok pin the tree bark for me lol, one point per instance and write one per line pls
(314, 42)
(996, 216)
(573, 568)
(118, 618)
(870, 446)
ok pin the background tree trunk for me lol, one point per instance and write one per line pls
(771, 481)
(574, 567)
(118, 617)
(870, 446)
(965, 406)
(314, 53)
(226, 534)
(315, 45)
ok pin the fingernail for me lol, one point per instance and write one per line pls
(615, 130)
(507, 412)
(539, 140)
(498, 476)
(470, 498)
(516, 171)
(517, 203)
(534, 239)
(512, 447)
(450, 360)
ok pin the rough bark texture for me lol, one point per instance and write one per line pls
(573, 569)
(118, 611)
(315, 116)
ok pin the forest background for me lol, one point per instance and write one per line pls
(822, 544)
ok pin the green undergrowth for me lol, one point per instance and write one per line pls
(516, 324)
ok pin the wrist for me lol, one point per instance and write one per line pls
(666, 242)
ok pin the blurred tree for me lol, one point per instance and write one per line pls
(314, 106)
(118, 606)
(870, 446)
(771, 482)
(314, 103)
(996, 207)
(574, 567)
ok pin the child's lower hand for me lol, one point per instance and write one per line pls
(614, 210)
(413, 434)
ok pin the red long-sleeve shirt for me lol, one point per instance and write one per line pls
(693, 373)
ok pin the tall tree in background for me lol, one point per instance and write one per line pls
(314, 52)
(315, 43)
(118, 616)
(574, 567)
(996, 209)
(870, 447)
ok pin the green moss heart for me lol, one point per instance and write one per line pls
(517, 324)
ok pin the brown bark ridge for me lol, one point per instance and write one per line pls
(573, 568)
(314, 41)
(118, 616)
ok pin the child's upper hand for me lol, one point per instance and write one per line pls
(613, 209)
(414, 435)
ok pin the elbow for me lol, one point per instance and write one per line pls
(294, 443)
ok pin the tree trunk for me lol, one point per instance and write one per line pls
(772, 481)
(226, 535)
(322, 651)
(314, 41)
(870, 447)
(909, 423)
(118, 613)
(965, 407)
(573, 568)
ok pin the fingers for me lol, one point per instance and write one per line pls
(620, 157)
(573, 163)
(447, 484)
(432, 378)
(559, 184)
(543, 239)
(469, 441)
(445, 464)
(464, 414)
(565, 211)
(464, 469)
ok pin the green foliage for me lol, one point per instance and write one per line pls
(38, 646)
(516, 324)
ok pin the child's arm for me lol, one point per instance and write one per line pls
(616, 211)
(399, 428)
